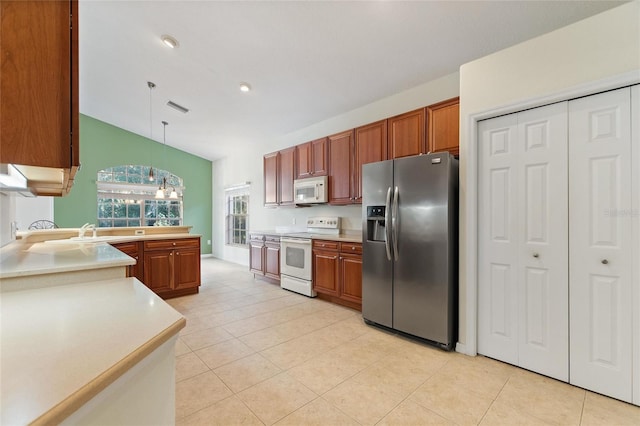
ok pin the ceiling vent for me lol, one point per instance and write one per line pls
(178, 107)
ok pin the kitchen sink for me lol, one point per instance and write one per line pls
(85, 240)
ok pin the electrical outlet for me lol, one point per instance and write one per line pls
(208, 242)
(139, 231)
(293, 221)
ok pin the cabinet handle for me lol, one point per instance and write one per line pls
(177, 253)
(171, 254)
(605, 261)
(536, 255)
(174, 244)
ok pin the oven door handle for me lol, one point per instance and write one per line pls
(295, 241)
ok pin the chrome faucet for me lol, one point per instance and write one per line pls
(86, 227)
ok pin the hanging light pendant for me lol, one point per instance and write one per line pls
(151, 86)
(160, 193)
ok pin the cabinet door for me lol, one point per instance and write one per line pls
(186, 266)
(158, 270)
(256, 264)
(406, 134)
(325, 272)
(443, 126)
(272, 260)
(341, 168)
(286, 175)
(304, 168)
(370, 146)
(39, 86)
(271, 190)
(133, 250)
(600, 227)
(351, 277)
(320, 157)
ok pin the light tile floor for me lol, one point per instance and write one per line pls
(252, 353)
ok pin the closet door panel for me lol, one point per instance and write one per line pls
(600, 232)
(543, 317)
(635, 200)
(497, 243)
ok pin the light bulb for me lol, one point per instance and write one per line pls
(174, 194)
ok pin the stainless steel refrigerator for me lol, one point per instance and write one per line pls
(410, 246)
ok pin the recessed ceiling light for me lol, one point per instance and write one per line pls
(245, 87)
(170, 41)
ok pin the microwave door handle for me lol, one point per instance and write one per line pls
(317, 191)
(387, 222)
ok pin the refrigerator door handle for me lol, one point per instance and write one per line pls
(394, 223)
(387, 213)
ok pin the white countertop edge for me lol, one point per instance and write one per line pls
(59, 378)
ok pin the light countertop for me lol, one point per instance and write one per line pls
(42, 258)
(354, 236)
(63, 345)
(26, 259)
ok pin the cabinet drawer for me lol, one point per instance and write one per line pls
(130, 247)
(326, 245)
(272, 239)
(351, 248)
(170, 244)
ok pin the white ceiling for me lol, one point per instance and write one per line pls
(306, 61)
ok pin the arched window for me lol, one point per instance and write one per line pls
(126, 197)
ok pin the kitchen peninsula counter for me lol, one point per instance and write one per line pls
(64, 345)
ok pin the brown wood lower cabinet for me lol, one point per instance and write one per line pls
(133, 249)
(169, 267)
(264, 255)
(337, 272)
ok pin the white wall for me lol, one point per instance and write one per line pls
(591, 55)
(7, 215)
(244, 166)
(30, 209)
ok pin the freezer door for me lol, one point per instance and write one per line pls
(377, 270)
(422, 283)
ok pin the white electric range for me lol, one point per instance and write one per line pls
(296, 272)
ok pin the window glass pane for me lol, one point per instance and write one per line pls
(119, 223)
(103, 223)
(134, 222)
(104, 177)
(133, 211)
(243, 237)
(119, 209)
(105, 207)
(135, 179)
(120, 169)
(150, 208)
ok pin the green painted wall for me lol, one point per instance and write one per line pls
(103, 145)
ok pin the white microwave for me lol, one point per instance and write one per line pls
(313, 190)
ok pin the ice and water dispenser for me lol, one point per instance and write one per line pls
(376, 230)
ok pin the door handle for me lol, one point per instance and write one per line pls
(394, 223)
(387, 227)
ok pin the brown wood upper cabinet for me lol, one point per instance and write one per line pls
(271, 166)
(311, 158)
(341, 189)
(370, 146)
(279, 173)
(287, 174)
(39, 84)
(443, 126)
(406, 134)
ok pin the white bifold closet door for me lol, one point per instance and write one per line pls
(601, 228)
(522, 246)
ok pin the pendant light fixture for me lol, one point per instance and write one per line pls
(163, 188)
(151, 86)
